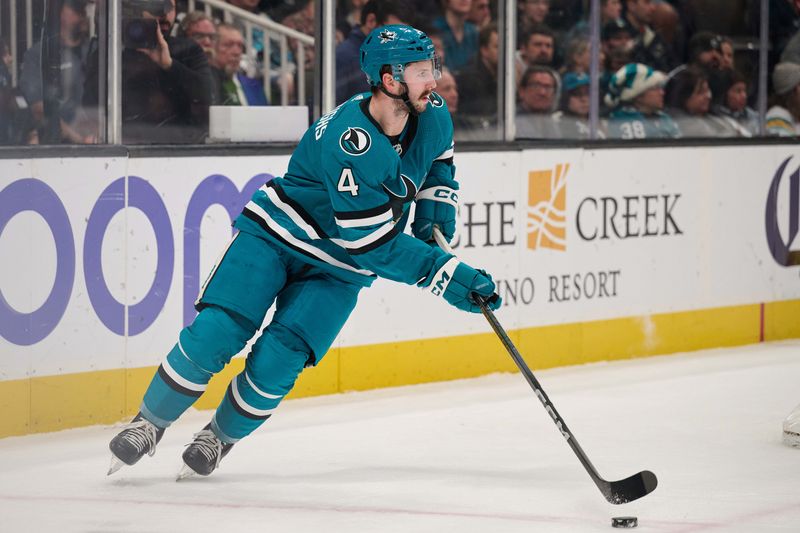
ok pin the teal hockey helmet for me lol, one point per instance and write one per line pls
(396, 45)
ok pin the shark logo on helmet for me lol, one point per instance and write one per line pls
(386, 36)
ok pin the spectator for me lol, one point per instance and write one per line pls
(460, 36)
(617, 46)
(705, 51)
(291, 14)
(538, 97)
(564, 14)
(578, 56)
(636, 95)
(666, 23)
(354, 16)
(726, 54)
(199, 27)
(232, 85)
(302, 20)
(531, 13)
(649, 47)
(73, 49)
(573, 118)
(783, 117)
(480, 14)
(729, 93)
(435, 36)
(16, 124)
(6, 60)
(447, 88)
(166, 89)
(617, 34)
(465, 128)
(610, 10)
(791, 53)
(254, 60)
(426, 10)
(537, 48)
(479, 82)
(688, 98)
(349, 78)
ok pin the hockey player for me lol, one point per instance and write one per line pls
(310, 241)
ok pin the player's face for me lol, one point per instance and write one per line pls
(420, 77)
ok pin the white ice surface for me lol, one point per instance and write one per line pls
(476, 455)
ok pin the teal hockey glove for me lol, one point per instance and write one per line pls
(461, 285)
(436, 206)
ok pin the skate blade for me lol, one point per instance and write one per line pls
(185, 473)
(116, 464)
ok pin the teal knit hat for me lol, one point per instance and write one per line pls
(630, 81)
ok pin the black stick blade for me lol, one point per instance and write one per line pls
(629, 489)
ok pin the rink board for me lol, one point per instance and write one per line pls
(600, 255)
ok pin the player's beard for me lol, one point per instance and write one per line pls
(420, 104)
(400, 109)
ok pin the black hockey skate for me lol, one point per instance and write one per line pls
(136, 439)
(202, 456)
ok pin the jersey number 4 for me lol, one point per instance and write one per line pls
(347, 183)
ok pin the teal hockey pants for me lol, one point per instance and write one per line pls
(311, 307)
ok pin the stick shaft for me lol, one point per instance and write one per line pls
(531, 379)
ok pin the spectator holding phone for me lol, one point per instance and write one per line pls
(166, 81)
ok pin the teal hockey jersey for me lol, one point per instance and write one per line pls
(627, 122)
(344, 201)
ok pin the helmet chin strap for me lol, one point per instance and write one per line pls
(403, 97)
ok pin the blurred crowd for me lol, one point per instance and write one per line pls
(667, 68)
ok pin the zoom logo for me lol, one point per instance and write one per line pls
(779, 246)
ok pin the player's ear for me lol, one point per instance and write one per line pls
(388, 80)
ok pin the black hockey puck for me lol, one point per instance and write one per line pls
(624, 521)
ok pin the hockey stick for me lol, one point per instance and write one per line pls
(616, 492)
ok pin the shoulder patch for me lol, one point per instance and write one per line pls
(435, 100)
(355, 141)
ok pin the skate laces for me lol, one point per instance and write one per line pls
(142, 434)
(207, 443)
